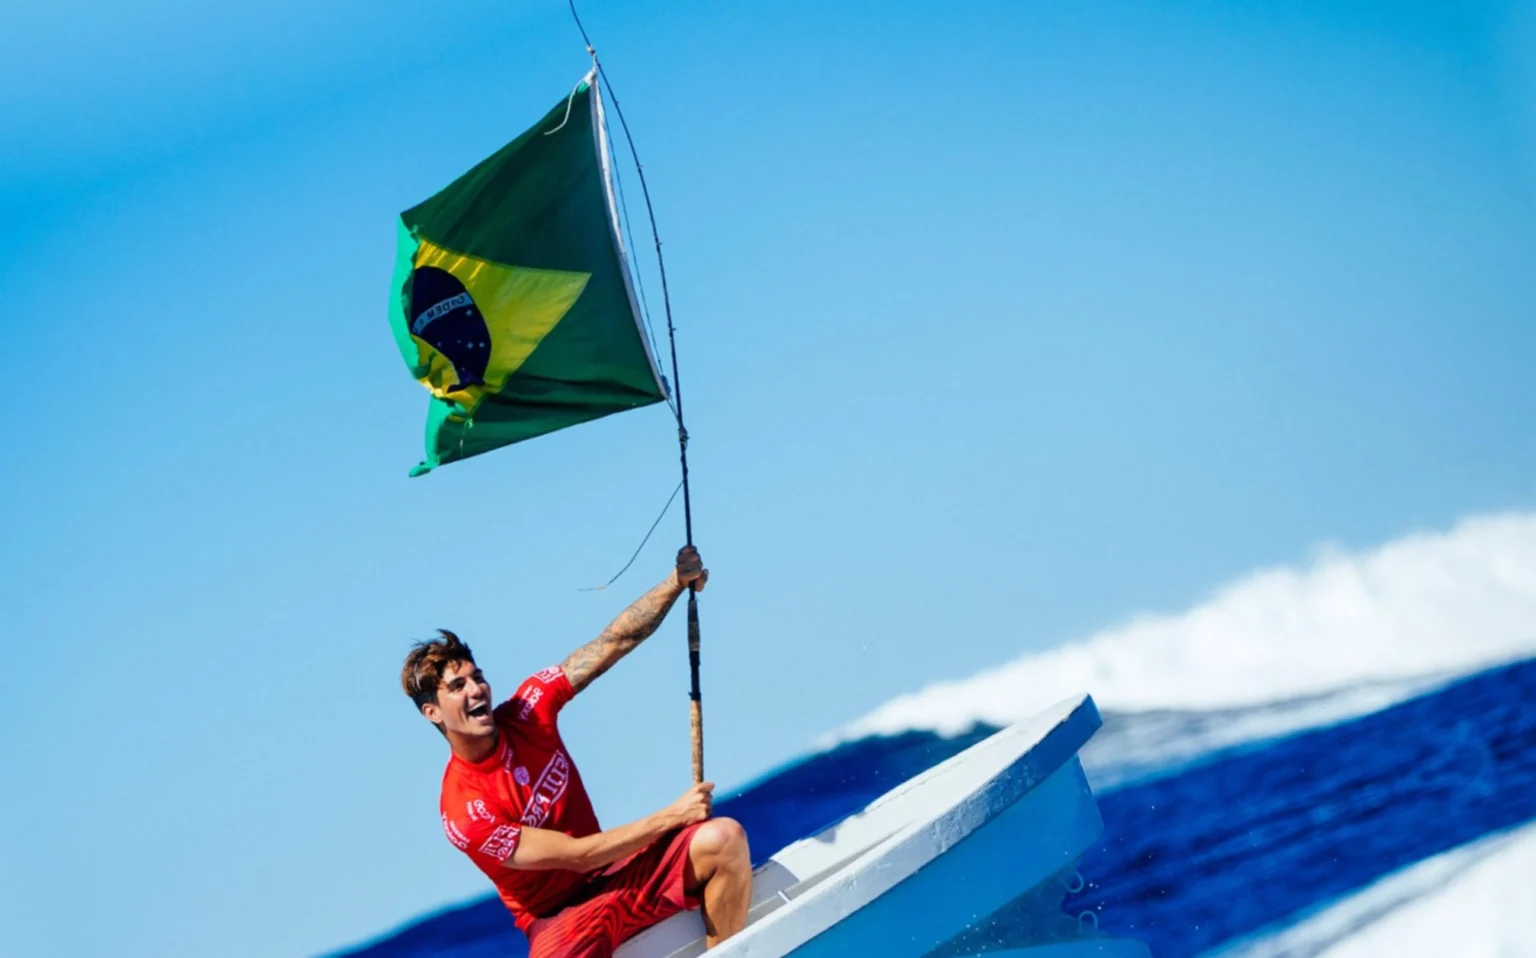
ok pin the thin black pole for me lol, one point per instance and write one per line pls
(695, 697)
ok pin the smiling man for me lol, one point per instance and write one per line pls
(514, 803)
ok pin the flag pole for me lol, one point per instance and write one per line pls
(695, 698)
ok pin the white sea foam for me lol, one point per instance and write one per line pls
(1471, 902)
(1393, 618)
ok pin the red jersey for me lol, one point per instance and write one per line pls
(529, 781)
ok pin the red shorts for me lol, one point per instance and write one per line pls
(619, 901)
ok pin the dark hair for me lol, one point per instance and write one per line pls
(426, 663)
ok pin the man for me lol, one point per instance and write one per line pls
(514, 803)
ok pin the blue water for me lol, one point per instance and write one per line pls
(1234, 843)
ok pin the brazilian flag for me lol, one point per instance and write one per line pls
(512, 297)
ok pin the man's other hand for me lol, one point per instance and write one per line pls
(695, 804)
(690, 569)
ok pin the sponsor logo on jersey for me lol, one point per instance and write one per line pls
(502, 843)
(520, 775)
(530, 697)
(549, 674)
(459, 839)
(551, 785)
(478, 812)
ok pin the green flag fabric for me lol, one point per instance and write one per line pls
(512, 300)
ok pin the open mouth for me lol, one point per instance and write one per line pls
(483, 710)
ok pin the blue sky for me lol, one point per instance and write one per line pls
(999, 323)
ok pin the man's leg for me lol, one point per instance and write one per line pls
(720, 862)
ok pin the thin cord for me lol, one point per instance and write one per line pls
(567, 118)
(664, 510)
(591, 52)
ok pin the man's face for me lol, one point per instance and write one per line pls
(463, 702)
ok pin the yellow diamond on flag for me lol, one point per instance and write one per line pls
(476, 321)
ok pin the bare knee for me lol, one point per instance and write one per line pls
(721, 841)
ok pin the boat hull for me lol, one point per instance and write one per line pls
(1033, 840)
(922, 871)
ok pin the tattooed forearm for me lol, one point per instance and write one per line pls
(633, 626)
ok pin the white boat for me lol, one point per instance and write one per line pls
(936, 867)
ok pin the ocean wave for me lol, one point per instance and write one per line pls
(1411, 612)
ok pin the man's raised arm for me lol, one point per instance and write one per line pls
(541, 849)
(636, 623)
